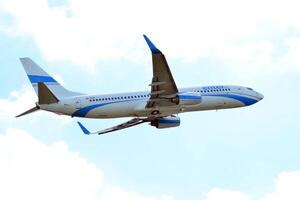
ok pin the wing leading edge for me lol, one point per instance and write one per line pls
(163, 87)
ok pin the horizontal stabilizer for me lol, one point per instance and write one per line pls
(29, 111)
(45, 95)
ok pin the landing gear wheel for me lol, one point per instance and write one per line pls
(155, 112)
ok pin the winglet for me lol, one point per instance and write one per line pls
(85, 131)
(152, 47)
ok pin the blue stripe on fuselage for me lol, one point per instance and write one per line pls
(37, 78)
(82, 112)
(245, 100)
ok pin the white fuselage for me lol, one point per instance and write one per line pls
(134, 104)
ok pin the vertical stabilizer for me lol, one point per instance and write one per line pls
(37, 75)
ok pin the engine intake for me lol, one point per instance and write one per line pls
(166, 122)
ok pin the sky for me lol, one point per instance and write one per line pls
(95, 47)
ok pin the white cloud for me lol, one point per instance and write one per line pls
(33, 170)
(21, 100)
(115, 192)
(286, 187)
(30, 169)
(84, 32)
(17, 102)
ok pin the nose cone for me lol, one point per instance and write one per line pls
(259, 96)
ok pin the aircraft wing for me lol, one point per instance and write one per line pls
(163, 87)
(130, 123)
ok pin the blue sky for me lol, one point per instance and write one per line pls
(97, 47)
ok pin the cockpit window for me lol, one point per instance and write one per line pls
(249, 88)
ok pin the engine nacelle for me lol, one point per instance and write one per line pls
(166, 122)
(190, 98)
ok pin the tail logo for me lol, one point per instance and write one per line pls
(43, 79)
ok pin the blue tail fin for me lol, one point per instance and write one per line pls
(37, 75)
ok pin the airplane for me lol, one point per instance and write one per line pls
(159, 107)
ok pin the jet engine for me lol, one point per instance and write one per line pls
(190, 98)
(166, 122)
